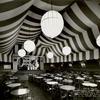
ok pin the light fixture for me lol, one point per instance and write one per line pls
(98, 40)
(83, 64)
(51, 65)
(29, 46)
(50, 55)
(70, 65)
(52, 23)
(66, 50)
(21, 52)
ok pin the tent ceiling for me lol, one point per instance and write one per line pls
(59, 2)
(20, 20)
(65, 2)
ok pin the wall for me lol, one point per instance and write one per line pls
(27, 61)
(90, 65)
(55, 67)
(5, 64)
(6, 57)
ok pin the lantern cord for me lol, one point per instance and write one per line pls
(51, 5)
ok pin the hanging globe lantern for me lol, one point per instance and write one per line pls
(52, 23)
(29, 46)
(98, 40)
(50, 55)
(21, 52)
(66, 50)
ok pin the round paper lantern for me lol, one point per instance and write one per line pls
(66, 50)
(70, 65)
(52, 23)
(50, 55)
(98, 40)
(29, 46)
(21, 52)
(83, 64)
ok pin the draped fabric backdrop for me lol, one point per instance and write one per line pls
(20, 21)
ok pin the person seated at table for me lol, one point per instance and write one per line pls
(70, 95)
(56, 93)
(34, 65)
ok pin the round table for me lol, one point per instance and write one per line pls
(68, 81)
(52, 76)
(67, 87)
(52, 83)
(88, 84)
(98, 81)
(59, 74)
(97, 76)
(13, 85)
(58, 78)
(48, 79)
(43, 75)
(38, 77)
(9, 82)
(21, 91)
(80, 78)
(13, 78)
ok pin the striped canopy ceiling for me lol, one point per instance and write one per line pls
(20, 20)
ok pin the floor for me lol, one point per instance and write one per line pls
(36, 92)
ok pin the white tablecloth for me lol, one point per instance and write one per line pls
(52, 83)
(19, 92)
(88, 84)
(67, 87)
(13, 85)
(80, 78)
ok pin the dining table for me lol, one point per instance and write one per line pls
(9, 82)
(13, 78)
(58, 78)
(80, 78)
(67, 87)
(20, 91)
(47, 79)
(39, 77)
(52, 83)
(68, 81)
(97, 76)
(14, 85)
(43, 75)
(89, 84)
